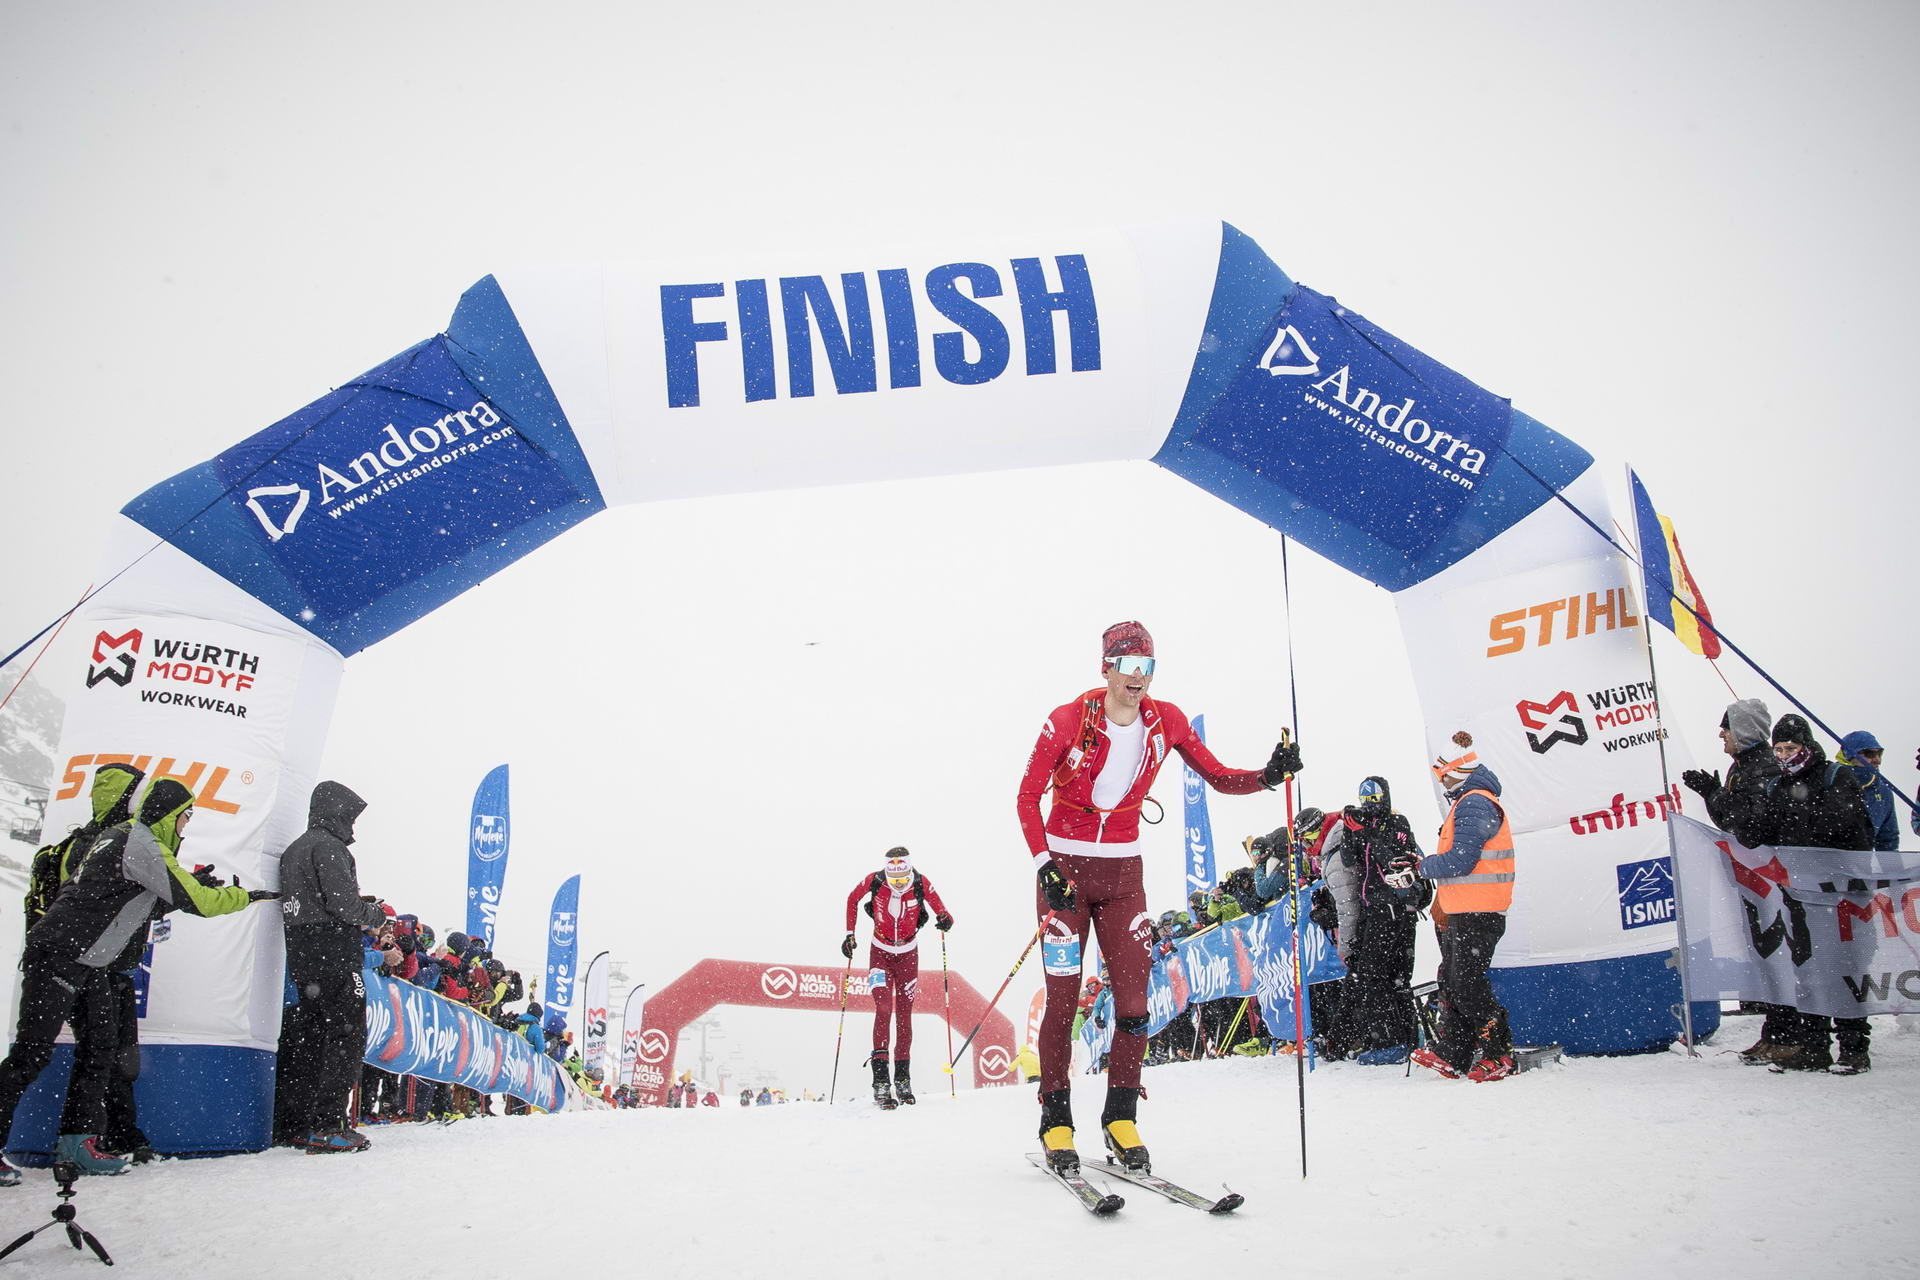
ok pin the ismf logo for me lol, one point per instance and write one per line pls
(1646, 892)
(119, 667)
(489, 836)
(994, 1061)
(1560, 717)
(1289, 356)
(779, 983)
(653, 1045)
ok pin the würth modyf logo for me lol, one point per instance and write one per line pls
(778, 983)
(118, 668)
(1567, 726)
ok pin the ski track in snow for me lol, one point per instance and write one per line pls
(1645, 1166)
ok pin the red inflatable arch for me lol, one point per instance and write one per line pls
(809, 989)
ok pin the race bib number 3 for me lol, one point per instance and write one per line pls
(1061, 956)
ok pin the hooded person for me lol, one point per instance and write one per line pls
(111, 798)
(1813, 803)
(1861, 752)
(1746, 737)
(324, 1033)
(1472, 869)
(96, 926)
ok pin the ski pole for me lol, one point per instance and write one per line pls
(1220, 1050)
(834, 1081)
(946, 1001)
(1293, 871)
(1025, 952)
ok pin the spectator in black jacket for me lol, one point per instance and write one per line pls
(98, 924)
(324, 1034)
(1735, 805)
(1815, 804)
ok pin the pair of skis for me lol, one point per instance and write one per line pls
(1103, 1204)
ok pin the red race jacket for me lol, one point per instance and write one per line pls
(1072, 748)
(895, 912)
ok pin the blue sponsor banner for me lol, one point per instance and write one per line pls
(376, 504)
(487, 843)
(563, 945)
(1199, 827)
(1309, 417)
(1646, 892)
(415, 1032)
(1250, 956)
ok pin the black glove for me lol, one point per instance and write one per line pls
(847, 945)
(261, 895)
(1699, 780)
(1058, 888)
(204, 874)
(942, 921)
(1285, 760)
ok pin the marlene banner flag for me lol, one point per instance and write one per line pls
(1198, 827)
(487, 855)
(630, 1033)
(563, 945)
(415, 1032)
(1668, 578)
(594, 1049)
(1248, 956)
(1827, 931)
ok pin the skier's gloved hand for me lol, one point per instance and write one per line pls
(1285, 760)
(261, 895)
(847, 945)
(1057, 887)
(1699, 780)
(942, 921)
(204, 873)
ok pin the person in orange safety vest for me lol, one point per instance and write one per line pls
(1472, 872)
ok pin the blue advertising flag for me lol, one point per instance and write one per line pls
(1199, 827)
(487, 854)
(563, 945)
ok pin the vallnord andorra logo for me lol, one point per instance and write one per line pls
(653, 1045)
(393, 460)
(779, 983)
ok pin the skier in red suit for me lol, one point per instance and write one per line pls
(1099, 755)
(897, 898)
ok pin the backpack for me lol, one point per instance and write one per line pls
(878, 881)
(50, 870)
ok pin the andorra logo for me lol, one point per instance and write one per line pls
(1289, 356)
(290, 510)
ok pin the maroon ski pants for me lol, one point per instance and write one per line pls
(1108, 897)
(893, 1000)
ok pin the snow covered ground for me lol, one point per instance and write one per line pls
(1651, 1166)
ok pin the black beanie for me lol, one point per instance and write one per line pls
(1792, 728)
(163, 797)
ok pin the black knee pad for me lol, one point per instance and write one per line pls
(1131, 1026)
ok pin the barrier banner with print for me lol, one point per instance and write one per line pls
(412, 1031)
(1248, 956)
(1827, 931)
(563, 945)
(1198, 826)
(488, 838)
(593, 1035)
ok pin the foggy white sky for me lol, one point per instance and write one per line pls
(1678, 234)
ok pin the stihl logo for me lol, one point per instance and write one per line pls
(994, 1061)
(778, 983)
(118, 668)
(1596, 611)
(653, 1045)
(206, 796)
(1568, 726)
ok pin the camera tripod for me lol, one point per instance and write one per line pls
(66, 1173)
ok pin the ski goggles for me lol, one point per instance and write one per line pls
(1371, 794)
(1131, 664)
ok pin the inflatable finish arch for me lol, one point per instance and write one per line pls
(553, 394)
(807, 988)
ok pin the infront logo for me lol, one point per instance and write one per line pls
(779, 983)
(1603, 611)
(119, 668)
(1568, 726)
